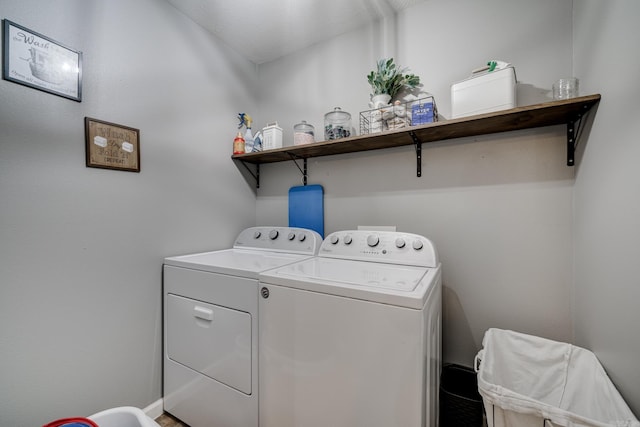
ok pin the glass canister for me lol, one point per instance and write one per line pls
(303, 133)
(337, 124)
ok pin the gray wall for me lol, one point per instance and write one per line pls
(81, 248)
(498, 207)
(526, 242)
(607, 200)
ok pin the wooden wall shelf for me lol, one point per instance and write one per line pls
(567, 112)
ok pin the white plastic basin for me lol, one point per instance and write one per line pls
(125, 416)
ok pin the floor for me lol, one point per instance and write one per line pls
(166, 420)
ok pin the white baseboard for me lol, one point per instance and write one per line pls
(154, 410)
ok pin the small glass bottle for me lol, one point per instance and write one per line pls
(238, 144)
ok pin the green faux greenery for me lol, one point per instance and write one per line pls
(390, 79)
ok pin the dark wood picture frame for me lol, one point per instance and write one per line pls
(111, 146)
(37, 61)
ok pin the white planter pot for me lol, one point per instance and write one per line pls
(378, 101)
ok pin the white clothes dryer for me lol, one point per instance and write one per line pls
(353, 337)
(211, 324)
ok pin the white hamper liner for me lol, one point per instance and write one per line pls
(526, 380)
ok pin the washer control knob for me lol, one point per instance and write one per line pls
(257, 235)
(347, 240)
(291, 236)
(302, 236)
(400, 243)
(334, 239)
(273, 234)
(373, 240)
(417, 245)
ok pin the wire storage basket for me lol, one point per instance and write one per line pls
(399, 115)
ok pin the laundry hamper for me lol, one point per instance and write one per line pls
(527, 381)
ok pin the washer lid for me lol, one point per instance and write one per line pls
(236, 262)
(394, 284)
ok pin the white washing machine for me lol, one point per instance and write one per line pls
(352, 337)
(211, 325)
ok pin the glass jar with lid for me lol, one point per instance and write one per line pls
(337, 124)
(303, 133)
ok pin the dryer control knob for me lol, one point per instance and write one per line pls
(417, 245)
(273, 234)
(373, 240)
(302, 237)
(400, 243)
(257, 235)
(291, 236)
(347, 240)
(334, 239)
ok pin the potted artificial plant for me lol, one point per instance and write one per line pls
(387, 80)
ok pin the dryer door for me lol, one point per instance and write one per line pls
(210, 339)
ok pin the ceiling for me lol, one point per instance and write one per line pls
(264, 30)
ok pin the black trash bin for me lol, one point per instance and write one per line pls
(460, 402)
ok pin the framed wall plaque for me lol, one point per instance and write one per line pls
(34, 60)
(111, 146)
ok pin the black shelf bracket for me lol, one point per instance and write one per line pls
(571, 142)
(418, 145)
(255, 175)
(574, 130)
(303, 170)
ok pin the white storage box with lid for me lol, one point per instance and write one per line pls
(484, 92)
(272, 136)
